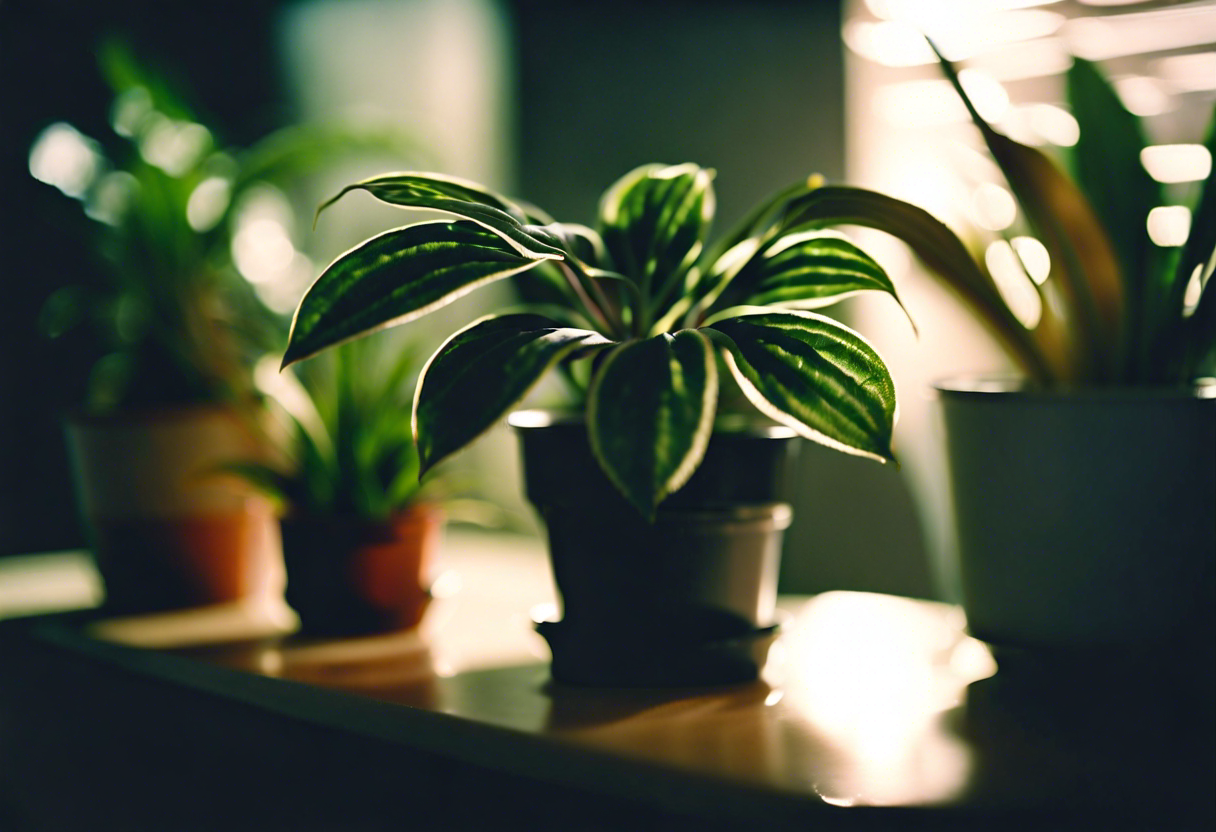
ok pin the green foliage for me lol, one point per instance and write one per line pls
(350, 448)
(1121, 315)
(640, 311)
(174, 319)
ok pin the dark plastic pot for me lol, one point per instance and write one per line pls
(687, 600)
(357, 576)
(1086, 520)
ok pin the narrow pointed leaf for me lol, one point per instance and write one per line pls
(1082, 255)
(1106, 159)
(1199, 340)
(805, 271)
(650, 412)
(941, 251)
(398, 276)
(654, 220)
(814, 375)
(483, 371)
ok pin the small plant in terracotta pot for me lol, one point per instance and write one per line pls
(360, 531)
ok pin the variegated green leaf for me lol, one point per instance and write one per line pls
(483, 371)
(465, 199)
(654, 221)
(398, 276)
(403, 189)
(650, 412)
(815, 375)
(806, 270)
(941, 251)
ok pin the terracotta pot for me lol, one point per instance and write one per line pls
(167, 530)
(351, 575)
(686, 600)
(1086, 520)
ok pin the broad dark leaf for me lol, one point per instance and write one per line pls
(805, 271)
(398, 276)
(654, 221)
(483, 371)
(815, 375)
(650, 412)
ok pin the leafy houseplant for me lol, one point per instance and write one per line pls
(178, 329)
(360, 531)
(640, 313)
(1084, 490)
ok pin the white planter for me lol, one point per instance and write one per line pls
(167, 530)
(1084, 519)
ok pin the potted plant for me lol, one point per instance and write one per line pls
(1084, 488)
(178, 329)
(664, 501)
(360, 532)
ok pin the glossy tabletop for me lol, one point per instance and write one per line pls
(869, 704)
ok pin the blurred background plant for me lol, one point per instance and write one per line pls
(196, 262)
(1112, 285)
(348, 446)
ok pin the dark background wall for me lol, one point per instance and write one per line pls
(754, 89)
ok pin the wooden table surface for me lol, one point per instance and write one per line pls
(875, 712)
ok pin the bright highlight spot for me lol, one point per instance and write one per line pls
(174, 146)
(1177, 162)
(1143, 96)
(110, 200)
(1013, 283)
(890, 43)
(1194, 72)
(64, 157)
(986, 93)
(993, 207)
(1194, 291)
(1169, 225)
(1055, 125)
(1034, 257)
(208, 202)
(130, 111)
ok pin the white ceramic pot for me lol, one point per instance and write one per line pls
(167, 529)
(1085, 519)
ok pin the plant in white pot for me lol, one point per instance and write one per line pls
(177, 330)
(360, 530)
(664, 507)
(1084, 490)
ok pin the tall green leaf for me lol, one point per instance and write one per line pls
(815, 375)
(1083, 259)
(1197, 343)
(398, 276)
(1108, 169)
(483, 371)
(650, 412)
